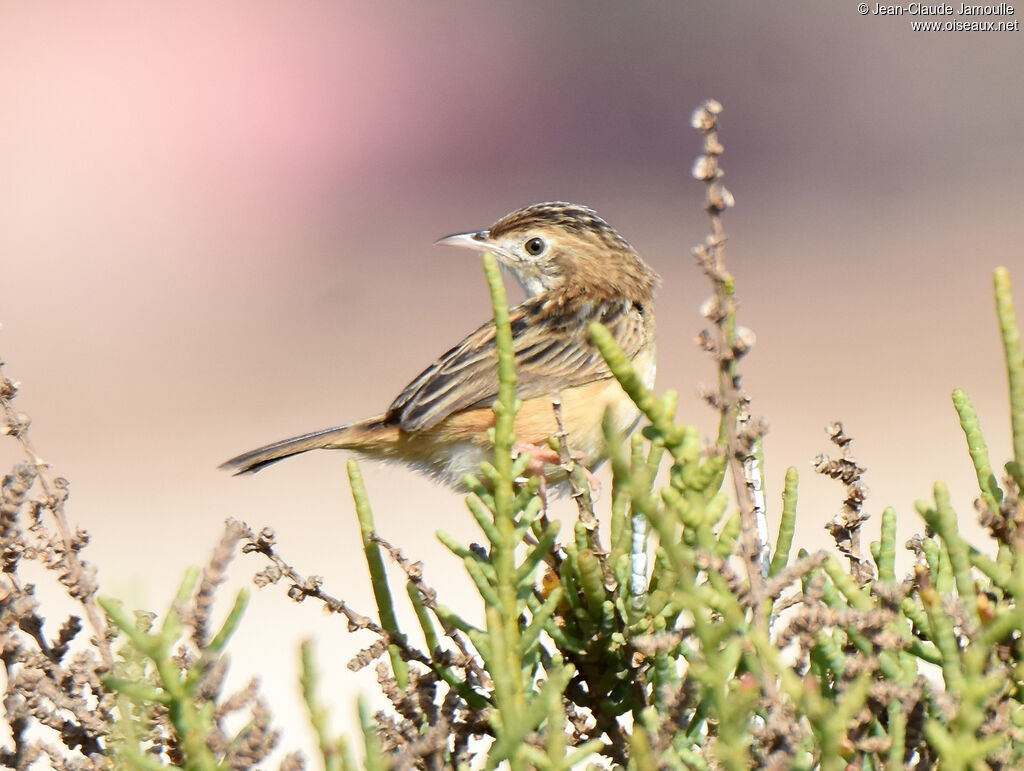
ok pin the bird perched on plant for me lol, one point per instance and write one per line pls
(575, 269)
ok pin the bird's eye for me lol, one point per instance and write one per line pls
(535, 246)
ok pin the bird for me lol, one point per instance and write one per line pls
(574, 269)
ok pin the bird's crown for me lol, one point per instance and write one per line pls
(582, 254)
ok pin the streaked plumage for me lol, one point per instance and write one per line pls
(584, 272)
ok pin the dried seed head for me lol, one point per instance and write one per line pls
(16, 425)
(720, 199)
(705, 167)
(744, 341)
(711, 309)
(705, 116)
(705, 341)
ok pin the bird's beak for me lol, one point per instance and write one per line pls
(478, 241)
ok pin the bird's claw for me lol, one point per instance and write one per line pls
(541, 455)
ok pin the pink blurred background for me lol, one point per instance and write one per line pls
(216, 227)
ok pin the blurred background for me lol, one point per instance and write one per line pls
(216, 228)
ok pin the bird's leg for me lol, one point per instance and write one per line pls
(541, 454)
(593, 481)
(542, 493)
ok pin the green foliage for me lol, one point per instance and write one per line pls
(334, 751)
(652, 653)
(677, 654)
(680, 645)
(162, 679)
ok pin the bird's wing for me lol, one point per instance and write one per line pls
(552, 351)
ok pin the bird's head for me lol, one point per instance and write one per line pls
(563, 248)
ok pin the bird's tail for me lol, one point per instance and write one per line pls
(365, 435)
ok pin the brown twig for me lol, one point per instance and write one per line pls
(414, 572)
(739, 431)
(301, 587)
(78, 576)
(845, 526)
(582, 496)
